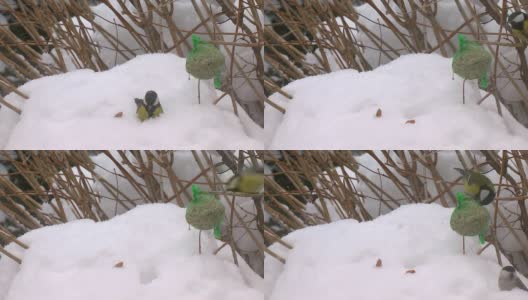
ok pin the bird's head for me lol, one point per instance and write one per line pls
(473, 181)
(516, 20)
(151, 98)
(507, 272)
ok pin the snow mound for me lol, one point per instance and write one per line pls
(420, 104)
(77, 110)
(159, 253)
(337, 260)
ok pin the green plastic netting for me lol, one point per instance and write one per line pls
(205, 61)
(205, 211)
(471, 61)
(469, 218)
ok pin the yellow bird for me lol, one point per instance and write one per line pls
(249, 181)
(148, 108)
(519, 24)
(475, 183)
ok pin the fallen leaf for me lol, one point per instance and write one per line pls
(379, 263)
(378, 113)
(119, 264)
(410, 122)
(410, 271)
(118, 115)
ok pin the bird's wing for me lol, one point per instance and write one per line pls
(142, 113)
(158, 110)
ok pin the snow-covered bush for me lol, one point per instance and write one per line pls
(62, 187)
(70, 35)
(333, 35)
(318, 187)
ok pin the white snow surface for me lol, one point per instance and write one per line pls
(184, 167)
(446, 162)
(338, 111)
(76, 110)
(159, 253)
(338, 261)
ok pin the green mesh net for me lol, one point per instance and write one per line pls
(205, 211)
(469, 218)
(472, 61)
(205, 61)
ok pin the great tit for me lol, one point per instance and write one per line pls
(519, 24)
(508, 280)
(148, 108)
(475, 183)
(249, 181)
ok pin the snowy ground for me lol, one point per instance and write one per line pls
(77, 110)
(338, 261)
(159, 256)
(446, 162)
(184, 167)
(410, 103)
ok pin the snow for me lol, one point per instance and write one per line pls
(185, 17)
(447, 16)
(184, 167)
(337, 260)
(446, 161)
(338, 111)
(76, 110)
(159, 253)
(106, 171)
